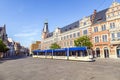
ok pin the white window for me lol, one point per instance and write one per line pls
(70, 35)
(96, 39)
(113, 36)
(85, 23)
(95, 29)
(64, 37)
(64, 43)
(71, 43)
(104, 38)
(78, 34)
(67, 36)
(103, 27)
(85, 32)
(67, 43)
(74, 35)
(61, 38)
(118, 35)
(112, 25)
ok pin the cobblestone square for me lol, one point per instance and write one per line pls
(47, 69)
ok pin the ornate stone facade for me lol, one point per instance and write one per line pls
(103, 27)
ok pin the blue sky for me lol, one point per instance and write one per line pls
(24, 19)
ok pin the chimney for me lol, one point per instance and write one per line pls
(93, 16)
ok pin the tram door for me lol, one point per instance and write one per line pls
(106, 52)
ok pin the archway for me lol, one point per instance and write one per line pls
(118, 51)
(97, 52)
(106, 52)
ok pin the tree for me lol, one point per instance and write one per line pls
(3, 47)
(55, 46)
(83, 41)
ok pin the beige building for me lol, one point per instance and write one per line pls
(103, 27)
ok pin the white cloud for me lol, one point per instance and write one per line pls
(27, 33)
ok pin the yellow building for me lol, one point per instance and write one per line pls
(35, 46)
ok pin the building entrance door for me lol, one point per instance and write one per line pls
(106, 52)
(97, 52)
(118, 51)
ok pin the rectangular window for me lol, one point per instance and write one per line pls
(74, 35)
(96, 29)
(61, 38)
(67, 43)
(103, 27)
(64, 37)
(71, 43)
(70, 35)
(67, 36)
(104, 38)
(85, 32)
(96, 39)
(112, 25)
(84, 23)
(118, 35)
(64, 43)
(78, 34)
(113, 36)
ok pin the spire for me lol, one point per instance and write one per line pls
(45, 29)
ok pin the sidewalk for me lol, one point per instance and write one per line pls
(13, 58)
(107, 59)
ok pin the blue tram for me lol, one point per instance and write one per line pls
(73, 53)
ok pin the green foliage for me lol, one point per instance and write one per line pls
(83, 41)
(55, 46)
(3, 47)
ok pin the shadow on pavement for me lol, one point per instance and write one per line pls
(12, 58)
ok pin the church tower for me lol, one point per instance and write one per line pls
(45, 30)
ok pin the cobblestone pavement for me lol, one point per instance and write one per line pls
(47, 69)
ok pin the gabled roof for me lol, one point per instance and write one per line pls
(70, 27)
(100, 16)
(50, 35)
(66, 28)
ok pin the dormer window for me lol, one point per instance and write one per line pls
(99, 19)
(84, 23)
(108, 16)
(75, 26)
(70, 28)
(65, 29)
